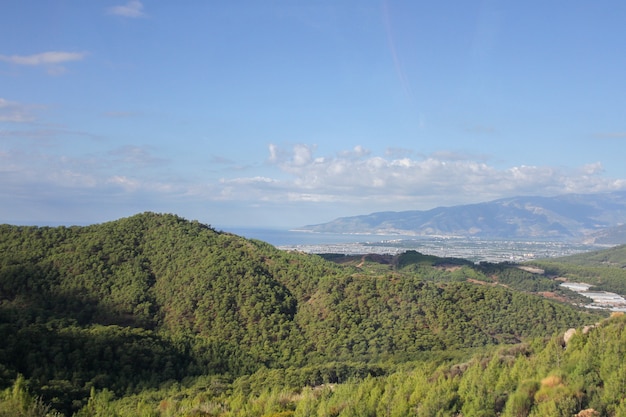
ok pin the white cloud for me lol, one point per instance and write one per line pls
(383, 182)
(127, 168)
(133, 8)
(252, 181)
(442, 178)
(13, 112)
(273, 149)
(295, 179)
(592, 169)
(357, 152)
(44, 58)
(50, 60)
(368, 183)
(128, 184)
(301, 155)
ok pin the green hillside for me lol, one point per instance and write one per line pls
(549, 377)
(606, 269)
(611, 257)
(152, 300)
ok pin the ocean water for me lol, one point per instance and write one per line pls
(291, 238)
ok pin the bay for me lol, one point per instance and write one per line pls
(282, 237)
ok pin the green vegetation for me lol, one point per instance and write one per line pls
(155, 315)
(605, 269)
(543, 378)
(612, 257)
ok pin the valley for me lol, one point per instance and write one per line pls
(476, 250)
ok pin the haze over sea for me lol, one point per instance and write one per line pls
(282, 237)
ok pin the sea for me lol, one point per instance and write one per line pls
(474, 249)
(289, 238)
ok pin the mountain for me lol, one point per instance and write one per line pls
(562, 217)
(131, 304)
(610, 236)
(614, 257)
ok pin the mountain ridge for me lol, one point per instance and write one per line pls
(568, 216)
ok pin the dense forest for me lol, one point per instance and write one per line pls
(159, 316)
(605, 269)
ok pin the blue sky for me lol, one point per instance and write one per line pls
(285, 113)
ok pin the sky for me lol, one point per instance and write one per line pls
(278, 114)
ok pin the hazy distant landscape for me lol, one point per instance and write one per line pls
(515, 229)
(591, 218)
(476, 250)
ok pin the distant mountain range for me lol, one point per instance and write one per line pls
(609, 236)
(595, 217)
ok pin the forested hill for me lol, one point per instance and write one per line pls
(605, 269)
(129, 304)
(611, 257)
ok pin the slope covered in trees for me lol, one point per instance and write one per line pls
(547, 377)
(612, 257)
(605, 269)
(126, 306)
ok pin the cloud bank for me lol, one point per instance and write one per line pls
(392, 183)
(293, 179)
